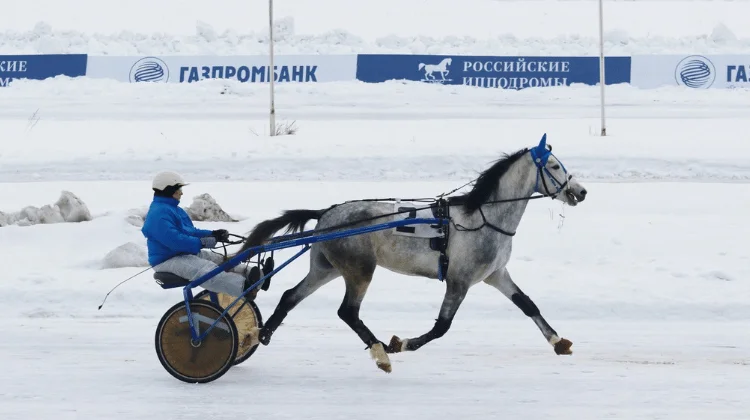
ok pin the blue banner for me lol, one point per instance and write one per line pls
(313, 68)
(494, 72)
(14, 67)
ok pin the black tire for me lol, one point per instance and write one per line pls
(245, 315)
(207, 361)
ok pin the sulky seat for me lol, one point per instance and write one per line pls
(169, 280)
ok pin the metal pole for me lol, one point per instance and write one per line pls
(601, 64)
(270, 69)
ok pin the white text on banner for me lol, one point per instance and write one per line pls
(246, 69)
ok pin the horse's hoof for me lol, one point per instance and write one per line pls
(377, 352)
(264, 337)
(396, 345)
(385, 367)
(563, 347)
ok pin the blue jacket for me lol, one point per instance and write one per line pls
(169, 231)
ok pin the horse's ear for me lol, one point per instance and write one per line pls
(539, 153)
(543, 142)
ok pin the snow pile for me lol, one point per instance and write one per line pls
(616, 42)
(137, 216)
(206, 40)
(130, 254)
(68, 209)
(72, 208)
(205, 209)
(43, 39)
(722, 35)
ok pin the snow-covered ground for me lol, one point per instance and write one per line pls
(648, 279)
(99, 129)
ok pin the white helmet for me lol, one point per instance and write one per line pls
(165, 179)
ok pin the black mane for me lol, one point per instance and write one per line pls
(486, 184)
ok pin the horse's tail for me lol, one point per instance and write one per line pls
(293, 220)
(421, 66)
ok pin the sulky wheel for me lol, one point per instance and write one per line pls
(196, 362)
(246, 317)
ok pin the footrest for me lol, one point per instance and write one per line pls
(169, 280)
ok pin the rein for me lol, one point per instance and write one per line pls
(540, 162)
(485, 222)
(225, 257)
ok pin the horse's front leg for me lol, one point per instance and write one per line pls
(455, 292)
(502, 281)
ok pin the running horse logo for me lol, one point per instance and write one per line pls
(430, 69)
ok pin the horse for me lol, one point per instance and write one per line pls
(478, 248)
(441, 68)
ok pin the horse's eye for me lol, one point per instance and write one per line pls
(555, 167)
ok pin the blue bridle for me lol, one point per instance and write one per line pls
(540, 154)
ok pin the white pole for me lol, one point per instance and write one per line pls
(601, 63)
(270, 70)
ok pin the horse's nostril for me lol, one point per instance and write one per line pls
(583, 192)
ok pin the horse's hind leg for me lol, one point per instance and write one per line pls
(357, 282)
(455, 292)
(321, 272)
(502, 281)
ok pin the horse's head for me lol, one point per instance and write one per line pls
(552, 179)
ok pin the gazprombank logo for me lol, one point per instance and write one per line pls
(695, 72)
(149, 69)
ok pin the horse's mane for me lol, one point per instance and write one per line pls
(487, 181)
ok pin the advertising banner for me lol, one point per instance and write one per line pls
(246, 69)
(692, 71)
(491, 72)
(39, 67)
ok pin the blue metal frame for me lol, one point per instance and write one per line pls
(306, 241)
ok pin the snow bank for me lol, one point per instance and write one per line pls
(204, 208)
(207, 42)
(43, 39)
(137, 216)
(130, 254)
(72, 209)
(475, 27)
(68, 209)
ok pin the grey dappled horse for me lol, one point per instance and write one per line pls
(483, 222)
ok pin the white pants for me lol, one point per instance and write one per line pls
(191, 267)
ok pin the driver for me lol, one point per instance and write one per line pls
(178, 247)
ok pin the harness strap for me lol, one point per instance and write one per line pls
(441, 210)
(493, 227)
